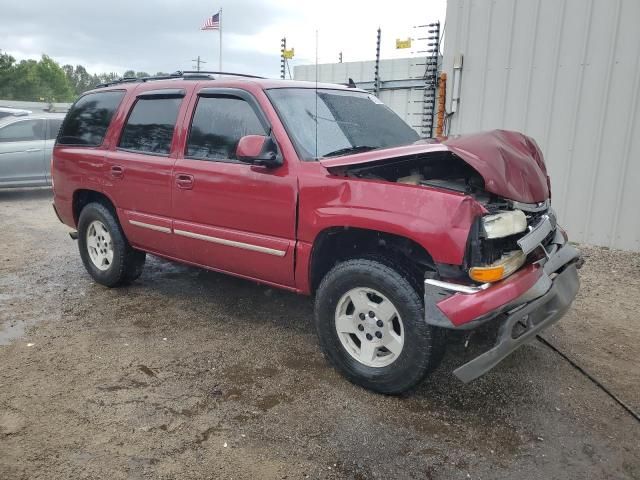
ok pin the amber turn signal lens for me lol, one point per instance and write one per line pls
(486, 274)
(498, 270)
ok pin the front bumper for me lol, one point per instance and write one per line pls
(522, 324)
(525, 303)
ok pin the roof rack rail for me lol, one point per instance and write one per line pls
(177, 74)
(208, 72)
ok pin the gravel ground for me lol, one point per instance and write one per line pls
(193, 374)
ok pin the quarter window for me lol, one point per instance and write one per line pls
(149, 128)
(87, 122)
(23, 131)
(217, 126)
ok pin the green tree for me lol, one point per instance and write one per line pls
(80, 79)
(106, 77)
(53, 80)
(7, 70)
(33, 80)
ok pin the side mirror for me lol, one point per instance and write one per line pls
(258, 150)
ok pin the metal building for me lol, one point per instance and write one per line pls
(401, 83)
(567, 73)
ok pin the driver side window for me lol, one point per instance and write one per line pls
(217, 126)
(23, 131)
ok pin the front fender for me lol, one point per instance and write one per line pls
(438, 220)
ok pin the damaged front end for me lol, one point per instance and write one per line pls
(525, 279)
(519, 273)
(519, 306)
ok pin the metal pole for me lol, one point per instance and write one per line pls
(199, 62)
(283, 47)
(220, 35)
(376, 79)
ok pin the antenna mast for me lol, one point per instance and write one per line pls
(376, 75)
(316, 115)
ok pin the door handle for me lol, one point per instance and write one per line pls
(184, 181)
(31, 150)
(117, 171)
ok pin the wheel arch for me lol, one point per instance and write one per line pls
(82, 197)
(335, 244)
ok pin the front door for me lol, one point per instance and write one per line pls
(22, 156)
(228, 215)
(139, 167)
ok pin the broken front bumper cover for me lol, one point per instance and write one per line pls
(524, 304)
(525, 322)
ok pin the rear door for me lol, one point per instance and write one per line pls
(22, 147)
(139, 168)
(228, 215)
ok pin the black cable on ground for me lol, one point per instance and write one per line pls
(590, 377)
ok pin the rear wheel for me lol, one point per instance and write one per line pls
(370, 324)
(104, 249)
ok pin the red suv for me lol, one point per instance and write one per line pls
(324, 191)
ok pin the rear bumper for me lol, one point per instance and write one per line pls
(525, 303)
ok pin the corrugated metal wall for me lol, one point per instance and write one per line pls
(566, 72)
(405, 102)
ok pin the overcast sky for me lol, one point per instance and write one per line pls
(164, 35)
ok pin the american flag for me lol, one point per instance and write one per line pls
(212, 23)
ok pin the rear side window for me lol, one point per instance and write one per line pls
(23, 131)
(218, 125)
(149, 128)
(87, 122)
(53, 127)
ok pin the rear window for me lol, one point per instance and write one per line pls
(150, 125)
(53, 127)
(87, 122)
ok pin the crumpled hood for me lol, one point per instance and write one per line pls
(510, 163)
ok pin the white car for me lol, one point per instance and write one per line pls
(26, 142)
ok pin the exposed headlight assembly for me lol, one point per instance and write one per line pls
(504, 267)
(504, 223)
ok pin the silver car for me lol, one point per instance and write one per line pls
(26, 143)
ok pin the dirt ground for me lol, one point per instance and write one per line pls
(193, 374)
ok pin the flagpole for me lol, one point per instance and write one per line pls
(220, 35)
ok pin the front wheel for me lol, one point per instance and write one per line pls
(371, 327)
(104, 249)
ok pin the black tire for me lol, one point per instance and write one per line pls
(423, 344)
(127, 264)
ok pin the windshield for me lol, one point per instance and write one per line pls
(347, 122)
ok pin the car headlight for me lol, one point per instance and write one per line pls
(504, 223)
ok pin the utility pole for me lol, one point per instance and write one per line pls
(283, 47)
(376, 76)
(198, 62)
(340, 57)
